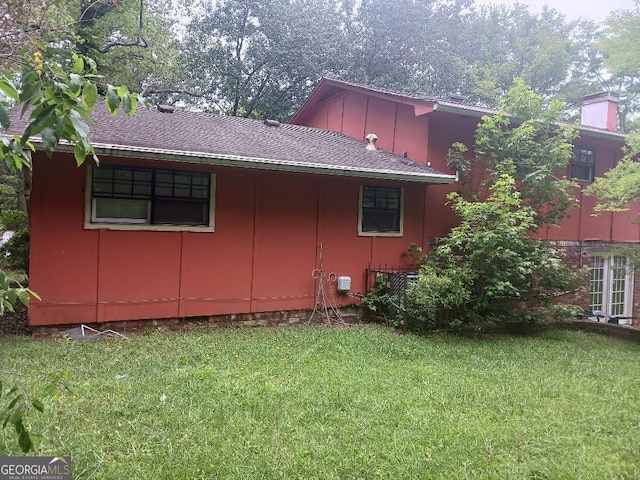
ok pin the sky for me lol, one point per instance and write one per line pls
(596, 10)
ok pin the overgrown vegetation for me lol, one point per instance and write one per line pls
(490, 268)
(307, 402)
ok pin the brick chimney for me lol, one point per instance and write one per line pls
(600, 110)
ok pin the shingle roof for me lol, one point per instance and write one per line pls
(197, 137)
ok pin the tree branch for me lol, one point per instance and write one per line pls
(139, 42)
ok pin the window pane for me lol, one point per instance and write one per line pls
(122, 182)
(583, 164)
(180, 213)
(121, 209)
(126, 195)
(597, 283)
(618, 283)
(381, 209)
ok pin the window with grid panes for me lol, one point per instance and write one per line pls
(149, 196)
(380, 210)
(610, 286)
(583, 164)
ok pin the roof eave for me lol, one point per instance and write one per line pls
(480, 112)
(126, 151)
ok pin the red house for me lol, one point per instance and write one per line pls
(225, 220)
(220, 219)
(427, 127)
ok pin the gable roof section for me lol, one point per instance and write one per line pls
(195, 137)
(423, 104)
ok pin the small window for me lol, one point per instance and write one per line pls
(583, 164)
(380, 211)
(131, 195)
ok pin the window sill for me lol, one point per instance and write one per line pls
(380, 234)
(148, 228)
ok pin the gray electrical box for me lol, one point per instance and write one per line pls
(344, 284)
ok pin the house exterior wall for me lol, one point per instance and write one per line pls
(401, 127)
(270, 230)
(428, 134)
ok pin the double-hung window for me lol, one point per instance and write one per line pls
(583, 164)
(381, 211)
(145, 196)
(611, 285)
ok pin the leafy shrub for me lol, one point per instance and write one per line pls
(13, 220)
(14, 254)
(488, 269)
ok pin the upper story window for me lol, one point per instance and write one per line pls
(583, 164)
(381, 211)
(144, 196)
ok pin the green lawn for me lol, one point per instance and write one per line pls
(314, 402)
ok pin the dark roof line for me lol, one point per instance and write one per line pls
(196, 137)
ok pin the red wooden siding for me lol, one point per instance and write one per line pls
(269, 228)
(427, 136)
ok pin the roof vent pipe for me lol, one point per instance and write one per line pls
(371, 139)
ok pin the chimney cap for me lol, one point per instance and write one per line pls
(601, 97)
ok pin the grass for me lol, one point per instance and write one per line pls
(333, 403)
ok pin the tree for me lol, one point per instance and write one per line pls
(133, 43)
(57, 96)
(620, 45)
(621, 184)
(407, 45)
(524, 140)
(488, 269)
(255, 58)
(507, 42)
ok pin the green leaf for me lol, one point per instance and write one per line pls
(75, 83)
(79, 153)
(9, 89)
(89, 95)
(49, 140)
(23, 296)
(122, 91)
(41, 117)
(78, 63)
(113, 100)
(126, 105)
(30, 85)
(24, 440)
(81, 128)
(4, 118)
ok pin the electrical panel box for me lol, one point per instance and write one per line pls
(344, 284)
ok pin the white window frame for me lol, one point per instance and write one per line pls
(363, 233)
(93, 223)
(608, 283)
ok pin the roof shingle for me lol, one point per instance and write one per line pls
(204, 138)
